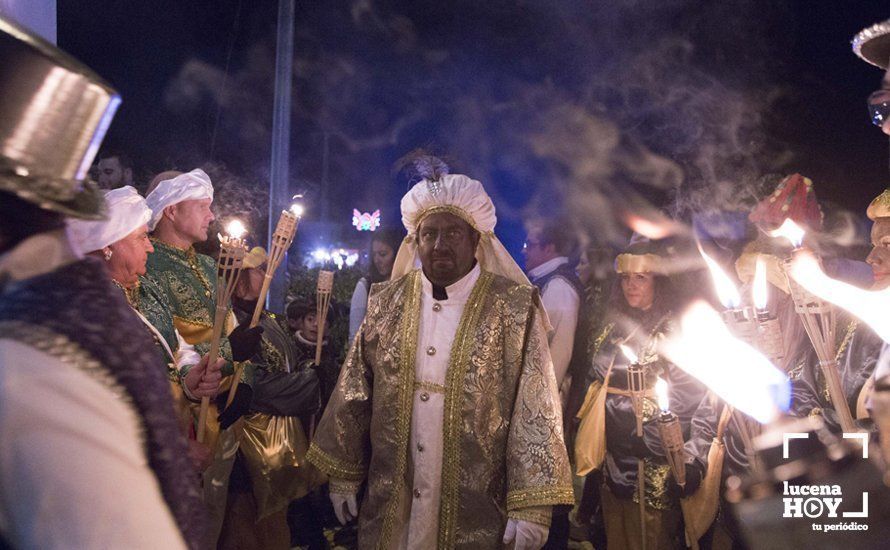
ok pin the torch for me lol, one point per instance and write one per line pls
(744, 323)
(228, 268)
(636, 385)
(871, 307)
(769, 330)
(746, 380)
(671, 434)
(323, 299)
(281, 241)
(282, 238)
(820, 321)
(738, 319)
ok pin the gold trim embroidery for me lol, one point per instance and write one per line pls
(409, 328)
(851, 330)
(540, 496)
(430, 387)
(197, 322)
(334, 467)
(541, 518)
(448, 209)
(451, 430)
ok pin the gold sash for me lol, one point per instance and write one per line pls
(700, 509)
(274, 448)
(196, 332)
(590, 442)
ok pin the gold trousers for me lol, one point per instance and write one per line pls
(623, 528)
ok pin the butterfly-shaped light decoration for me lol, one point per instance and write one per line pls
(364, 221)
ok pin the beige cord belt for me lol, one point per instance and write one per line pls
(650, 393)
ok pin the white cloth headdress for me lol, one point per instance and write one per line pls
(194, 185)
(466, 198)
(127, 212)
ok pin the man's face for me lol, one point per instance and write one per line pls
(129, 255)
(112, 175)
(879, 258)
(447, 247)
(535, 251)
(638, 289)
(192, 219)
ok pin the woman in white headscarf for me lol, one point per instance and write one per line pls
(121, 241)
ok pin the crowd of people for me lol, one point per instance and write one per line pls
(479, 405)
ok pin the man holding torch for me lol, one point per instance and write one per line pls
(181, 217)
(447, 406)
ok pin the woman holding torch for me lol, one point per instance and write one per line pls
(618, 430)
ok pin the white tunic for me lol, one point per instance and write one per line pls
(439, 320)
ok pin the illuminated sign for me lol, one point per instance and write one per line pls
(364, 221)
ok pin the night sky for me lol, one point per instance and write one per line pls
(561, 108)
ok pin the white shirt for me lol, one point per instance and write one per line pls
(561, 301)
(73, 473)
(358, 307)
(439, 320)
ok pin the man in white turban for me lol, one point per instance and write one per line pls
(447, 405)
(180, 218)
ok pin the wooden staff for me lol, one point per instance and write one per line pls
(323, 300)
(820, 321)
(228, 268)
(636, 386)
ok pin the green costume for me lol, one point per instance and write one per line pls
(183, 282)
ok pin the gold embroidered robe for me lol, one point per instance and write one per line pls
(502, 433)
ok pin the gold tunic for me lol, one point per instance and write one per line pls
(502, 434)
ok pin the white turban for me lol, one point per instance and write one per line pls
(127, 212)
(465, 198)
(194, 185)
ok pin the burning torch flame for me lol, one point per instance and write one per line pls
(870, 306)
(726, 290)
(731, 368)
(235, 229)
(661, 393)
(759, 290)
(791, 231)
(629, 353)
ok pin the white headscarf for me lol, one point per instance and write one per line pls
(194, 185)
(466, 198)
(127, 212)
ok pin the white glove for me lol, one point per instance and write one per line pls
(527, 534)
(345, 507)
